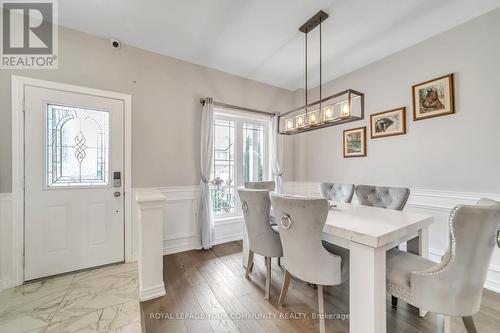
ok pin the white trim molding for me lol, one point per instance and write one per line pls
(5, 241)
(18, 89)
(149, 293)
(445, 200)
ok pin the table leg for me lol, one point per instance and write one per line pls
(367, 289)
(420, 246)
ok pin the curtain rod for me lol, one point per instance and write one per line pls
(240, 108)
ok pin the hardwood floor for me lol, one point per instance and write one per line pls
(207, 292)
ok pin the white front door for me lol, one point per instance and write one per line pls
(74, 208)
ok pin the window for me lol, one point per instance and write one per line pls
(77, 147)
(240, 155)
(253, 152)
(223, 170)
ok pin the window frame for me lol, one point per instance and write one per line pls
(239, 118)
(83, 186)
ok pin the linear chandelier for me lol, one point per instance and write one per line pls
(339, 108)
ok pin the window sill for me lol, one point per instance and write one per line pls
(228, 219)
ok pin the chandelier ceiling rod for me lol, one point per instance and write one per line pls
(307, 27)
(306, 69)
(320, 63)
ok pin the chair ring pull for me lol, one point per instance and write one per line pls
(244, 206)
(285, 221)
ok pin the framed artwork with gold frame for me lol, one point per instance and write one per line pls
(388, 123)
(433, 98)
(354, 142)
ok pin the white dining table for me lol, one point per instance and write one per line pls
(368, 232)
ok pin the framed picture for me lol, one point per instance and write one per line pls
(354, 142)
(433, 98)
(388, 123)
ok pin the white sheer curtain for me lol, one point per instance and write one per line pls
(276, 153)
(205, 214)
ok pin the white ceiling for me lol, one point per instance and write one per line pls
(259, 39)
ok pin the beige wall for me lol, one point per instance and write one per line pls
(460, 152)
(166, 109)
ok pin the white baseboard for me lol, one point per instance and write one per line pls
(435, 255)
(171, 249)
(6, 260)
(6, 283)
(228, 238)
(152, 292)
(493, 279)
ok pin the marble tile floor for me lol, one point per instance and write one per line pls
(100, 300)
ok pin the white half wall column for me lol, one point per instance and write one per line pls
(149, 213)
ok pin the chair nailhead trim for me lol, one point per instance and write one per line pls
(452, 245)
(399, 289)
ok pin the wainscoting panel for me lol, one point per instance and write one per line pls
(180, 231)
(431, 202)
(180, 221)
(228, 230)
(6, 279)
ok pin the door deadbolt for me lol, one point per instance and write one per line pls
(117, 179)
(117, 194)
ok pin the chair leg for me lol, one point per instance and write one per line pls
(321, 306)
(249, 263)
(443, 324)
(268, 277)
(394, 301)
(469, 324)
(284, 288)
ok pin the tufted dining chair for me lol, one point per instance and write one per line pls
(337, 192)
(454, 286)
(264, 185)
(300, 223)
(382, 196)
(262, 238)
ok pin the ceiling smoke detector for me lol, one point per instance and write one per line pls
(115, 43)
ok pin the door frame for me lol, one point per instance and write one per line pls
(18, 94)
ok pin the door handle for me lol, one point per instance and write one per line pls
(117, 194)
